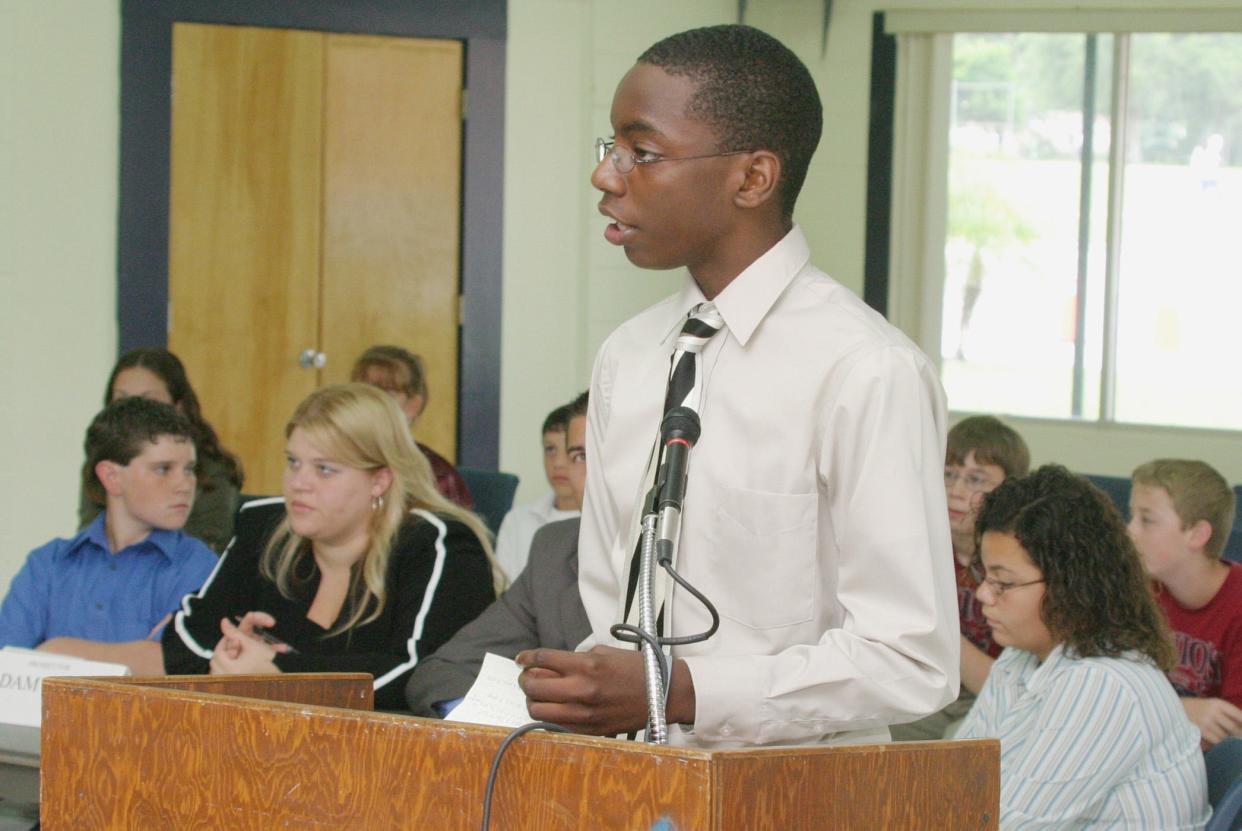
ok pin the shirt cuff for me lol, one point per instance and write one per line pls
(723, 689)
(443, 708)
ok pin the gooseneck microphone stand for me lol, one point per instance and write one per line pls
(661, 532)
(655, 662)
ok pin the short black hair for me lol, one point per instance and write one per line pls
(753, 92)
(557, 420)
(578, 407)
(121, 430)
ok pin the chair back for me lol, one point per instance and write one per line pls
(1227, 814)
(1233, 545)
(1224, 773)
(1117, 488)
(493, 492)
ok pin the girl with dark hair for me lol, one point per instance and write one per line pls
(1091, 731)
(159, 375)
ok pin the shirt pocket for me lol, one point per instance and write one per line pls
(762, 557)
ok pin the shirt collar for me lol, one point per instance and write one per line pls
(162, 541)
(1044, 674)
(1034, 676)
(750, 296)
(93, 533)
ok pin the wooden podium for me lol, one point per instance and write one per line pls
(307, 752)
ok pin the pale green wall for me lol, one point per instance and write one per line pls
(565, 288)
(59, 92)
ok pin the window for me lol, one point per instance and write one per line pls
(1092, 225)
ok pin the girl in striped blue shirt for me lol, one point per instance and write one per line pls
(1092, 734)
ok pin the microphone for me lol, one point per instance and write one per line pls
(678, 432)
(660, 535)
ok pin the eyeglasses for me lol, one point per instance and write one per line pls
(974, 481)
(997, 587)
(624, 159)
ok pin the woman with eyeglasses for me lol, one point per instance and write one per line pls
(1091, 732)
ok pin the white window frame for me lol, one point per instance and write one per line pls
(921, 158)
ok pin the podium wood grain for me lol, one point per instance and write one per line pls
(192, 753)
(351, 690)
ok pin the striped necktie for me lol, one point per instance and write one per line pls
(685, 371)
(685, 389)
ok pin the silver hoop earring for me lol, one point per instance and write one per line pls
(377, 502)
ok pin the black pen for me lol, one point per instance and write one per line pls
(267, 637)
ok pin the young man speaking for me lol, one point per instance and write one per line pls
(815, 515)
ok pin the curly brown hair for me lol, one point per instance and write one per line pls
(1097, 599)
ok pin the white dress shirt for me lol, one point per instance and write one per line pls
(1090, 743)
(815, 516)
(518, 528)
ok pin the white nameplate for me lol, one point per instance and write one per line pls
(21, 680)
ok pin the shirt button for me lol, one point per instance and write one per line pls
(99, 606)
(111, 566)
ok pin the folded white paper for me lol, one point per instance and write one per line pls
(495, 698)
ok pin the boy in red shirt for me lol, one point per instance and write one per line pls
(1181, 513)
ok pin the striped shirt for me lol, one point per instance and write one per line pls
(1090, 743)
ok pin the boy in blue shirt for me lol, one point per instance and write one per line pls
(106, 593)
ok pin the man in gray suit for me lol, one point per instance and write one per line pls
(541, 609)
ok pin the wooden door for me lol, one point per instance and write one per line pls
(244, 233)
(315, 207)
(392, 183)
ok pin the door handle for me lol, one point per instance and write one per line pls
(312, 359)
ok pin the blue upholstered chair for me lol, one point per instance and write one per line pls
(1118, 490)
(492, 491)
(1224, 772)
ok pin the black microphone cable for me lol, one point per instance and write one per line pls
(680, 425)
(630, 633)
(500, 752)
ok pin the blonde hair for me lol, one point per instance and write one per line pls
(1198, 492)
(361, 427)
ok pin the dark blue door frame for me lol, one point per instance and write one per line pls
(145, 170)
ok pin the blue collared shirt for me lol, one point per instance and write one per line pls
(1090, 743)
(78, 588)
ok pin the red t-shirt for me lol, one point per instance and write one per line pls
(970, 612)
(1209, 642)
